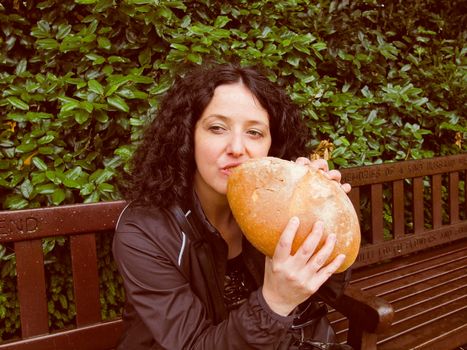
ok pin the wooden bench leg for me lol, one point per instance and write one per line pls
(360, 339)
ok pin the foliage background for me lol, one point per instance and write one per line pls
(377, 80)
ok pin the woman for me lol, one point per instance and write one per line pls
(217, 292)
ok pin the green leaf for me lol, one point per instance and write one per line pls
(15, 202)
(221, 21)
(406, 68)
(96, 87)
(104, 43)
(105, 187)
(74, 173)
(180, 47)
(161, 87)
(93, 197)
(63, 31)
(319, 46)
(97, 59)
(118, 103)
(27, 147)
(48, 44)
(125, 152)
(87, 106)
(17, 103)
(45, 189)
(85, 2)
(21, 67)
(69, 106)
(81, 116)
(195, 58)
(35, 117)
(26, 188)
(45, 139)
(87, 189)
(70, 182)
(144, 58)
(39, 163)
(58, 196)
(101, 175)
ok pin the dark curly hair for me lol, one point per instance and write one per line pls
(163, 165)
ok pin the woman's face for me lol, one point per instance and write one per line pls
(234, 127)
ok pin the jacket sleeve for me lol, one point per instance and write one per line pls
(164, 302)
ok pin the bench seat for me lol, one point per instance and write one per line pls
(428, 292)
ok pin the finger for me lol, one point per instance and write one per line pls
(284, 245)
(334, 264)
(327, 271)
(319, 164)
(320, 258)
(346, 187)
(303, 161)
(308, 246)
(334, 175)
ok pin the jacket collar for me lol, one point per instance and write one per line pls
(199, 214)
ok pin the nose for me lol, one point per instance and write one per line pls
(236, 146)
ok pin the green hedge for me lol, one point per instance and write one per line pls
(380, 80)
(377, 80)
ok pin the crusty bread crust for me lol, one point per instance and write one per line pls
(265, 193)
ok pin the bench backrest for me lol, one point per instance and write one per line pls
(25, 229)
(423, 198)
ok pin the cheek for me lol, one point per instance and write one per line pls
(205, 150)
(261, 149)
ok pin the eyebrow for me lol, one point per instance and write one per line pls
(225, 118)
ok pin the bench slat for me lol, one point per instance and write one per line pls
(354, 196)
(31, 288)
(438, 293)
(377, 213)
(418, 204)
(398, 209)
(18, 225)
(386, 286)
(100, 336)
(454, 336)
(452, 315)
(388, 172)
(436, 200)
(454, 197)
(465, 193)
(367, 273)
(85, 278)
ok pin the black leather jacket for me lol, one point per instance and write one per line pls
(174, 301)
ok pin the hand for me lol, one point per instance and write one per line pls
(291, 279)
(321, 164)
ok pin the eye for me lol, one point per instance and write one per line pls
(216, 128)
(255, 133)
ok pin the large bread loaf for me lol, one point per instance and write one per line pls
(265, 193)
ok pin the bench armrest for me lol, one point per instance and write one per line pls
(372, 313)
(368, 315)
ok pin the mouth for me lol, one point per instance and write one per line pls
(227, 170)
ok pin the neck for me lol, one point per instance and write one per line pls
(217, 211)
(215, 207)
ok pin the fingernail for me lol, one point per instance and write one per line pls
(319, 225)
(332, 236)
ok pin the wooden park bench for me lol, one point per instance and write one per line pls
(420, 264)
(418, 268)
